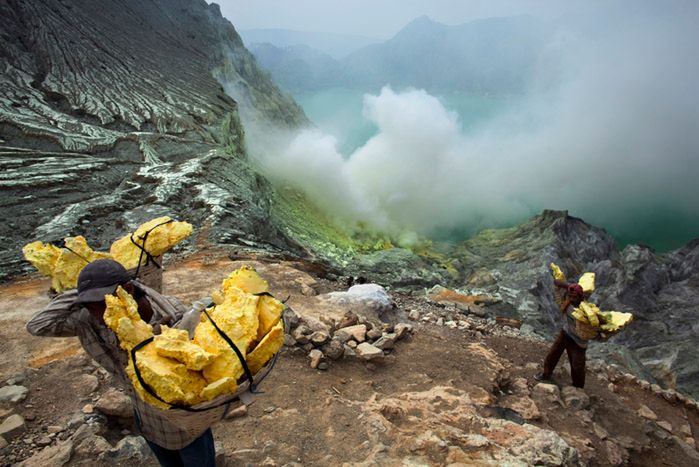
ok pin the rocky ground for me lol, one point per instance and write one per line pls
(449, 388)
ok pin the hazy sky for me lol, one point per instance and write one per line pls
(383, 18)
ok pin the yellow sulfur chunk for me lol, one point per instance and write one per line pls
(247, 280)
(62, 264)
(557, 273)
(175, 343)
(217, 297)
(185, 372)
(587, 282)
(590, 310)
(237, 318)
(168, 378)
(121, 316)
(613, 321)
(580, 316)
(43, 256)
(269, 311)
(160, 240)
(266, 349)
(217, 388)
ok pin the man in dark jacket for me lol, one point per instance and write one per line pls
(567, 339)
(177, 438)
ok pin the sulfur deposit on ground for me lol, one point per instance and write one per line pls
(456, 391)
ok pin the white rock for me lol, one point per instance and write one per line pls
(13, 393)
(366, 351)
(370, 295)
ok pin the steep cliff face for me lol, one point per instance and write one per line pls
(114, 111)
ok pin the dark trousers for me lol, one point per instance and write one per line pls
(200, 453)
(576, 356)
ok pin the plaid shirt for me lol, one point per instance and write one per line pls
(171, 429)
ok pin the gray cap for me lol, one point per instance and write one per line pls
(100, 278)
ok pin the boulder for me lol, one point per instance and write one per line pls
(549, 392)
(315, 356)
(12, 426)
(387, 341)
(402, 329)
(87, 384)
(365, 299)
(333, 349)
(366, 351)
(131, 450)
(54, 456)
(115, 403)
(13, 393)
(356, 332)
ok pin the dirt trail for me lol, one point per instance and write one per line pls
(441, 397)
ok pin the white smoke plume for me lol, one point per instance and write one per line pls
(609, 131)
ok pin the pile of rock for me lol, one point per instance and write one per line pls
(29, 440)
(360, 323)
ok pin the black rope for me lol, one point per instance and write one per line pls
(267, 294)
(224, 336)
(246, 369)
(62, 244)
(142, 247)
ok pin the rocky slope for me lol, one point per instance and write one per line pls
(113, 112)
(452, 389)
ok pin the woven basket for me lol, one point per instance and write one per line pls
(585, 331)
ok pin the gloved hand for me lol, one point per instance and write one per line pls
(192, 317)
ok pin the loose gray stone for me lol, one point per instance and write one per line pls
(93, 446)
(548, 392)
(374, 334)
(316, 356)
(43, 441)
(289, 341)
(366, 351)
(15, 380)
(323, 366)
(319, 338)
(333, 349)
(645, 412)
(130, 450)
(665, 426)
(387, 341)
(53, 456)
(12, 426)
(356, 332)
(401, 329)
(414, 315)
(301, 333)
(13, 393)
(88, 383)
(115, 403)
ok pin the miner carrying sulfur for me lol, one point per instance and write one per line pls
(183, 441)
